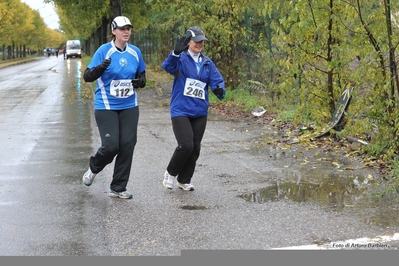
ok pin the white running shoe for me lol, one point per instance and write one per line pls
(88, 177)
(122, 195)
(187, 187)
(168, 180)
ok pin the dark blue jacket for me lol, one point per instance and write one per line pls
(183, 67)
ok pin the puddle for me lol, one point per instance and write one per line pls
(332, 192)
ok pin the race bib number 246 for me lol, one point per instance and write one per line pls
(194, 88)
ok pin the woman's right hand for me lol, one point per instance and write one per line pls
(180, 45)
(105, 63)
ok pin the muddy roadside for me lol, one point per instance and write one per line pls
(327, 171)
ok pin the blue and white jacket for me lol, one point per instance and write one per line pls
(114, 90)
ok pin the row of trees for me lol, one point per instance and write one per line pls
(22, 28)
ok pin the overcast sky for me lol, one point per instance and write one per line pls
(47, 12)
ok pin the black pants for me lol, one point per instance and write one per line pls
(118, 132)
(188, 133)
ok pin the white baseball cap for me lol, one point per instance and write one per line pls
(119, 22)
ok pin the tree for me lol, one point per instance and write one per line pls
(90, 19)
(36, 37)
(221, 20)
(32, 33)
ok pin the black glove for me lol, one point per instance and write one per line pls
(180, 45)
(140, 80)
(105, 63)
(219, 92)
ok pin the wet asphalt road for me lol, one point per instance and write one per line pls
(47, 134)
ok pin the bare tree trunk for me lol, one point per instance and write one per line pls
(105, 30)
(116, 8)
(392, 61)
(330, 72)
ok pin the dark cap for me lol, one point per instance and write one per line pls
(196, 34)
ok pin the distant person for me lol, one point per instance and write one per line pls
(56, 52)
(48, 52)
(64, 51)
(194, 75)
(118, 69)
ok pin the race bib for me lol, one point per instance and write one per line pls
(194, 88)
(121, 88)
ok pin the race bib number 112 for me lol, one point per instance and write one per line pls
(121, 88)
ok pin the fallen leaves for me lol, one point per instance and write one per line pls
(286, 136)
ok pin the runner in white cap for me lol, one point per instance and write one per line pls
(118, 69)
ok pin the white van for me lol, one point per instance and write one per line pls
(73, 49)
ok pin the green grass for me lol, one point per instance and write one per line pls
(86, 60)
(241, 98)
(244, 100)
